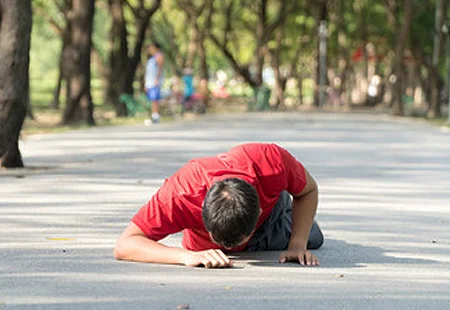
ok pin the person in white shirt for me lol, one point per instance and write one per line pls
(154, 78)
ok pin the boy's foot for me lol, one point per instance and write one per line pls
(155, 118)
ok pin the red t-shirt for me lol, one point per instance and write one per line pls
(177, 205)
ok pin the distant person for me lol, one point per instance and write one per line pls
(188, 81)
(236, 201)
(201, 96)
(176, 89)
(220, 91)
(154, 78)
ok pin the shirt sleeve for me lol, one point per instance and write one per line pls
(294, 172)
(162, 215)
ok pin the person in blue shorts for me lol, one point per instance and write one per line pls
(154, 78)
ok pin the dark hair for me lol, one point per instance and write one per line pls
(156, 44)
(230, 211)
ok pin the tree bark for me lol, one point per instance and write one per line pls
(118, 56)
(54, 104)
(65, 36)
(401, 40)
(173, 49)
(193, 40)
(297, 66)
(77, 56)
(434, 110)
(300, 88)
(322, 15)
(15, 33)
(203, 64)
(123, 62)
(261, 47)
(280, 79)
(343, 65)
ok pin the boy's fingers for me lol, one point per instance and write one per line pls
(206, 262)
(220, 262)
(308, 258)
(213, 261)
(316, 261)
(284, 257)
(313, 260)
(302, 258)
(225, 258)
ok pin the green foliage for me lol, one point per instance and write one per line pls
(44, 53)
(102, 26)
(358, 22)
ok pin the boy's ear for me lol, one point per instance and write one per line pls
(211, 237)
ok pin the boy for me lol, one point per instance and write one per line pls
(154, 79)
(235, 201)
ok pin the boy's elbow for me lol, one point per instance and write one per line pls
(119, 251)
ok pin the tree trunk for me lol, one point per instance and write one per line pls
(280, 79)
(401, 39)
(363, 36)
(203, 64)
(193, 40)
(118, 56)
(30, 113)
(15, 32)
(79, 105)
(172, 50)
(123, 66)
(61, 65)
(343, 65)
(423, 66)
(280, 88)
(261, 47)
(300, 88)
(54, 104)
(435, 81)
(323, 13)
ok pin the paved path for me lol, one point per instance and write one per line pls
(384, 208)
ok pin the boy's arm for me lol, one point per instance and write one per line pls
(160, 63)
(304, 206)
(133, 245)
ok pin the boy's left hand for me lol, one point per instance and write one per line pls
(304, 257)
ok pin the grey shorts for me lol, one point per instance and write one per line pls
(275, 232)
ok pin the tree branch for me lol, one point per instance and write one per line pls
(240, 69)
(283, 13)
(58, 29)
(134, 10)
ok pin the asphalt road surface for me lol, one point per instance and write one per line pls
(384, 209)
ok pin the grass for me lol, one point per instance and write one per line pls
(48, 120)
(441, 121)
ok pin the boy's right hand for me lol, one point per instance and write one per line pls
(209, 259)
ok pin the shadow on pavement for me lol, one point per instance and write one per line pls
(333, 254)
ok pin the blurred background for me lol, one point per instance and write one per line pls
(87, 58)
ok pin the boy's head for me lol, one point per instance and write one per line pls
(230, 212)
(187, 71)
(153, 48)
